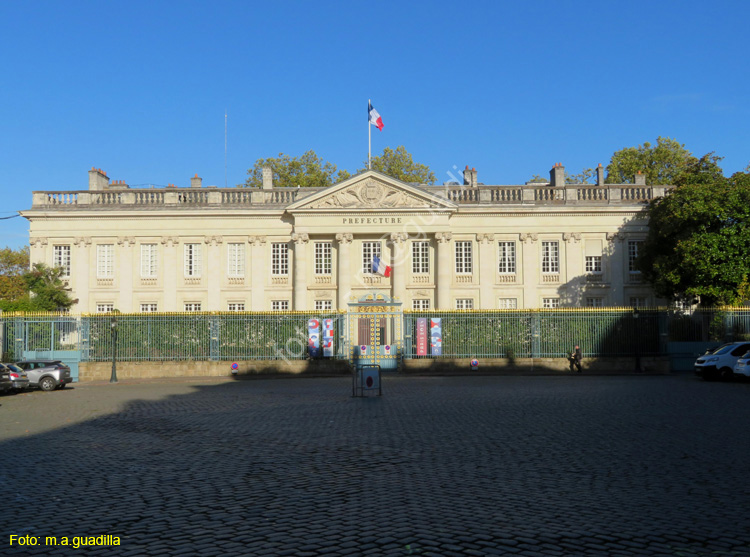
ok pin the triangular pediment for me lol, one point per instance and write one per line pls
(372, 190)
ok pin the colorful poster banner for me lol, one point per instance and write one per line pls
(422, 336)
(436, 337)
(328, 338)
(313, 338)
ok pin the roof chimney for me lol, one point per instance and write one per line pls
(600, 175)
(640, 179)
(470, 177)
(267, 178)
(196, 182)
(98, 179)
(557, 175)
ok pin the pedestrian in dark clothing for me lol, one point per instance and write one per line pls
(575, 359)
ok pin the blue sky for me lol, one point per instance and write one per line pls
(140, 89)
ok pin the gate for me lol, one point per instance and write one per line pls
(55, 338)
(375, 332)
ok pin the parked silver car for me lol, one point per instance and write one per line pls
(48, 375)
(18, 378)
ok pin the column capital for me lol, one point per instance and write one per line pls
(126, 241)
(399, 237)
(82, 241)
(572, 236)
(257, 240)
(38, 241)
(300, 238)
(615, 237)
(529, 238)
(443, 237)
(485, 238)
(213, 240)
(344, 237)
(170, 241)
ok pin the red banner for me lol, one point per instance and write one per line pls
(421, 336)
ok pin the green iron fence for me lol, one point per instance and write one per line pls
(283, 335)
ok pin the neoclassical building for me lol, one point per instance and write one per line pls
(455, 246)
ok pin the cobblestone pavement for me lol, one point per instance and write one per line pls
(574, 465)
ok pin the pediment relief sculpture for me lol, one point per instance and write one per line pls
(370, 194)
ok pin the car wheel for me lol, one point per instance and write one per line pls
(726, 374)
(47, 384)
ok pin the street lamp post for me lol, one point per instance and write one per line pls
(637, 341)
(113, 325)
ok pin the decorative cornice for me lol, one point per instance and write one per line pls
(344, 238)
(257, 240)
(485, 238)
(443, 237)
(529, 238)
(300, 238)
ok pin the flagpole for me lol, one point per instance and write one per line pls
(369, 137)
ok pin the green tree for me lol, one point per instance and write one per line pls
(306, 171)
(49, 292)
(583, 177)
(661, 163)
(399, 164)
(13, 265)
(699, 237)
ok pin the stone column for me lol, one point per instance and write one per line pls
(487, 270)
(614, 272)
(300, 271)
(344, 278)
(172, 272)
(444, 269)
(124, 280)
(531, 275)
(81, 285)
(258, 273)
(213, 272)
(399, 260)
(573, 272)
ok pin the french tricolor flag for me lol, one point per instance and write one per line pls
(374, 117)
(380, 268)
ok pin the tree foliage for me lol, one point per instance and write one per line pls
(306, 171)
(661, 163)
(699, 237)
(43, 289)
(399, 164)
(13, 265)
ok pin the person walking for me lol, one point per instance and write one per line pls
(575, 358)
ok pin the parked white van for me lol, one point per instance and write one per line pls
(720, 363)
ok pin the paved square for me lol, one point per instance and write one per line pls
(573, 465)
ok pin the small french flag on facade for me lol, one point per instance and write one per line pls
(380, 268)
(374, 117)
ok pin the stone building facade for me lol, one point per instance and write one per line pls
(456, 246)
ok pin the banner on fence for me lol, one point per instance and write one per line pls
(313, 338)
(422, 336)
(327, 338)
(436, 336)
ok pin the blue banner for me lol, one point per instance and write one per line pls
(436, 337)
(313, 338)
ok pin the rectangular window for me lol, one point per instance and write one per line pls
(279, 305)
(594, 264)
(279, 259)
(323, 305)
(323, 258)
(61, 258)
(594, 302)
(550, 257)
(104, 307)
(235, 260)
(420, 257)
(508, 303)
(192, 261)
(463, 259)
(506, 258)
(148, 308)
(420, 304)
(105, 254)
(236, 306)
(464, 303)
(192, 306)
(549, 303)
(148, 260)
(637, 302)
(370, 250)
(633, 247)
